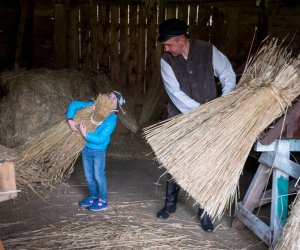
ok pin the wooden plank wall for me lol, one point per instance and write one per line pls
(121, 38)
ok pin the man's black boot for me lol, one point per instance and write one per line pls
(172, 190)
(205, 221)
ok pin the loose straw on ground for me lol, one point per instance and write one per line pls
(119, 227)
(290, 239)
(50, 156)
(205, 150)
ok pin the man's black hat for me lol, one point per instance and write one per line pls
(172, 27)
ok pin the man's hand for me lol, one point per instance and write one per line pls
(82, 129)
(73, 125)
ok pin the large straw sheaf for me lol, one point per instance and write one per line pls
(290, 238)
(205, 150)
(50, 156)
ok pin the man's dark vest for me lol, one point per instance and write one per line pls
(195, 75)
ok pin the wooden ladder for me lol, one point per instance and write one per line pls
(275, 160)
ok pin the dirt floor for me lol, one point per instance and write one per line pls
(135, 194)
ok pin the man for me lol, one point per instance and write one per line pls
(188, 70)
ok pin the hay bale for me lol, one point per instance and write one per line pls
(32, 100)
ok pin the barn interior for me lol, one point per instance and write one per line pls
(56, 51)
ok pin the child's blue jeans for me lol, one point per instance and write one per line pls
(94, 170)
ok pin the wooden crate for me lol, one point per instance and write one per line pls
(7, 181)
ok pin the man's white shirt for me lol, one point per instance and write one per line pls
(222, 69)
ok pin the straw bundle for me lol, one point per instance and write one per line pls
(50, 155)
(205, 149)
(290, 238)
(105, 85)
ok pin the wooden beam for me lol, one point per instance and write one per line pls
(257, 226)
(287, 166)
(254, 192)
(279, 204)
(266, 197)
(294, 146)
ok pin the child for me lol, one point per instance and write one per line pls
(93, 154)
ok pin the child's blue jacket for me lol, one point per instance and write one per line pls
(100, 137)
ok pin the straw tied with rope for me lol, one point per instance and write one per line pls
(205, 150)
(105, 105)
(50, 156)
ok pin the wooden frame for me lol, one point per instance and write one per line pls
(275, 159)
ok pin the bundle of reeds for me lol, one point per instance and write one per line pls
(205, 150)
(290, 238)
(50, 156)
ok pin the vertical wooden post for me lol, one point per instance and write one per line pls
(193, 26)
(141, 49)
(114, 35)
(171, 11)
(24, 43)
(85, 37)
(94, 25)
(123, 45)
(60, 36)
(183, 12)
(279, 193)
(230, 45)
(104, 48)
(133, 84)
(73, 37)
(151, 45)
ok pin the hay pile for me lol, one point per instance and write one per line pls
(32, 100)
(205, 150)
(290, 238)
